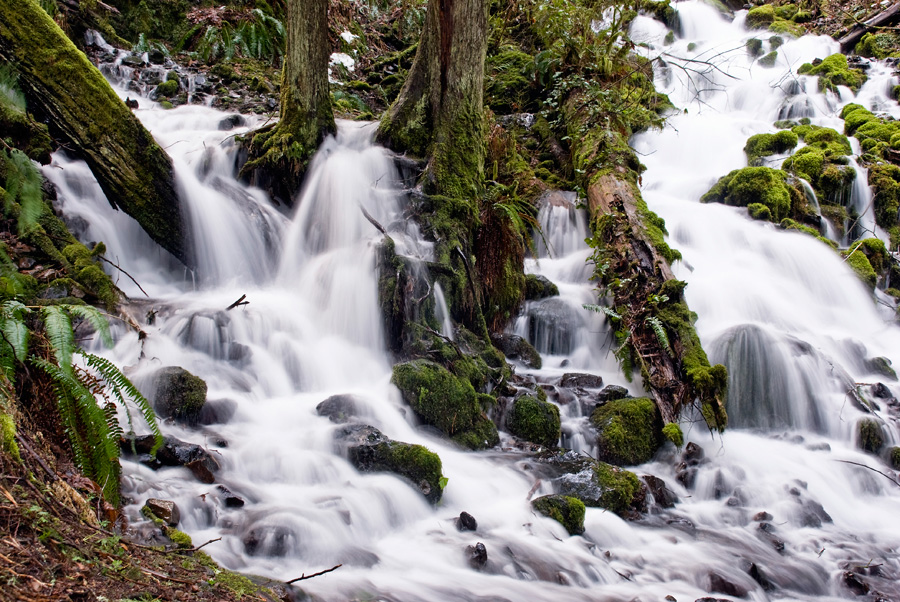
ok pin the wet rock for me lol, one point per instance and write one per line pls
(477, 556)
(201, 471)
(894, 458)
(881, 391)
(156, 57)
(691, 458)
(710, 599)
(179, 395)
(173, 453)
(517, 348)
(567, 511)
(762, 516)
(628, 431)
(230, 500)
(216, 411)
(855, 583)
(766, 531)
(133, 60)
(231, 122)
(466, 522)
(602, 485)
(339, 408)
(722, 585)
(371, 451)
(539, 287)
(165, 510)
(869, 436)
(534, 420)
(882, 366)
(612, 393)
(662, 495)
(813, 514)
(757, 575)
(573, 380)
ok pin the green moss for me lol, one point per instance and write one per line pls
(445, 401)
(754, 47)
(869, 436)
(768, 61)
(878, 45)
(762, 145)
(876, 252)
(808, 163)
(535, 421)
(861, 265)
(236, 584)
(672, 432)
(761, 185)
(776, 42)
(567, 511)
(761, 16)
(167, 88)
(786, 11)
(536, 288)
(759, 211)
(785, 27)
(834, 71)
(628, 431)
(620, 488)
(166, 105)
(8, 437)
(895, 458)
(789, 224)
(413, 462)
(179, 538)
(509, 80)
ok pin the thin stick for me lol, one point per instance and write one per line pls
(124, 272)
(372, 220)
(198, 547)
(888, 477)
(305, 576)
(237, 303)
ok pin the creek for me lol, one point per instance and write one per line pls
(782, 506)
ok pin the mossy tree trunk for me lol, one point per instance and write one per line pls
(655, 330)
(84, 111)
(279, 155)
(439, 113)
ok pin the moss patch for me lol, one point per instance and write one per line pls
(763, 145)
(760, 185)
(672, 432)
(869, 436)
(567, 511)
(834, 71)
(536, 421)
(628, 430)
(621, 488)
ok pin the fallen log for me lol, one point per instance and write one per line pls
(886, 17)
(85, 113)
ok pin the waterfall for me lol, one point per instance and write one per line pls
(779, 508)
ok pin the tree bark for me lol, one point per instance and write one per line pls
(884, 18)
(278, 156)
(84, 111)
(439, 112)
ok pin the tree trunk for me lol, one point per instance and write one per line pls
(439, 112)
(886, 17)
(279, 155)
(84, 111)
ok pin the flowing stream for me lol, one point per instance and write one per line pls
(780, 507)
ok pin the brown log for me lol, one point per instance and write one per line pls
(884, 18)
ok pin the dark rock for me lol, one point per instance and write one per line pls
(165, 510)
(814, 514)
(711, 599)
(573, 380)
(662, 495)
(201, 471)
(539, 287)
(628, 431)
(466, 522)
(179, 395)
(216, 411)
(757, 575)
(882, 366)
(156, 57)
(693, 454)
(370, 451)
(231, 122)
(515, 347)
(230, 500)
(722, 585)
(477, 556)
(612, 393)
(339, 408)
(869, 436)
(133, 60)
(762, 516)
(855, 584)
(173, 453)
(881, 391)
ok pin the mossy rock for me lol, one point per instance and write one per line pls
(539, 287)
(566, 510)
(628, 431)
(761, 17)
(768, 61)
(672, 432)
(179, 394)
(869, 436)
(754, 47)
(762, 185)
(446, 402)
(861, 265)
(834, 71)
(895, 458)
(534, 420)
(763, 145)
(167, 89)
(621, 489)
(370, 451)
(759, 211)
(599, 485)
(878, 45)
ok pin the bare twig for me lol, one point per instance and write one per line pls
(887, 476)
(118, 267)
(237, 303)
(305, 576)
(372, 220)
(180, 551)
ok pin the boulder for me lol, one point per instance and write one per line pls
(339, 408)
(173, 453)
(539, 287)
(179, 395)
(165, 510)
(612, 393)
(596, 484)
(477, 556)
(567, 511)
(662, 495)
(869, 436)
(573, 380)
(371, 451)
(628, 431)
(466, 522)
(534, 420)
(517, 348)
(446, 402)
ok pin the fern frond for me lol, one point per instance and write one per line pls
(123, 388)
(23, 187)
(58, 327)
(660, 331)
(95, 318)
(600, 309)
(15, 333)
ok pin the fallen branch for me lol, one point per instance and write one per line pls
(180, 550)
(238, 303)
(372, 220)
(115, 265)
(305, 576)
(886, 17)
(887, 476)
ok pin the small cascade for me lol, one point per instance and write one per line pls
(441, 313)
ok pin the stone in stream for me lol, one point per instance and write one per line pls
(572, 380)
(515, 347)
(567, 511)
(231, 500)
(539, 287)
(165, 510)
(173, 453)
(534, 420)
(466, 522)
(477, 556)
(662, 495)
(179, 395)
(339, 408)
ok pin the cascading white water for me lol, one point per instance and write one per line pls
(788, 316)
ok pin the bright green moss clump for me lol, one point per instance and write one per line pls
(535, 421)
(567, 511)
(628, 430)
(878, 45)
(8, 437)
(621, 488)
(761, 185)
(834, 71)
(673, 433)
(446, 402)
(413, 462)
(769, 60)
(762, 145)
(861, 265)
(759, 211)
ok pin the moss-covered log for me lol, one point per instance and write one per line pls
(632, 261)
(83, 110)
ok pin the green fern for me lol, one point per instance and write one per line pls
(660, 331)
(95, 318)
(58, 328)
(11, 97)
(15, 333)
(600, 309)
(23, 190)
